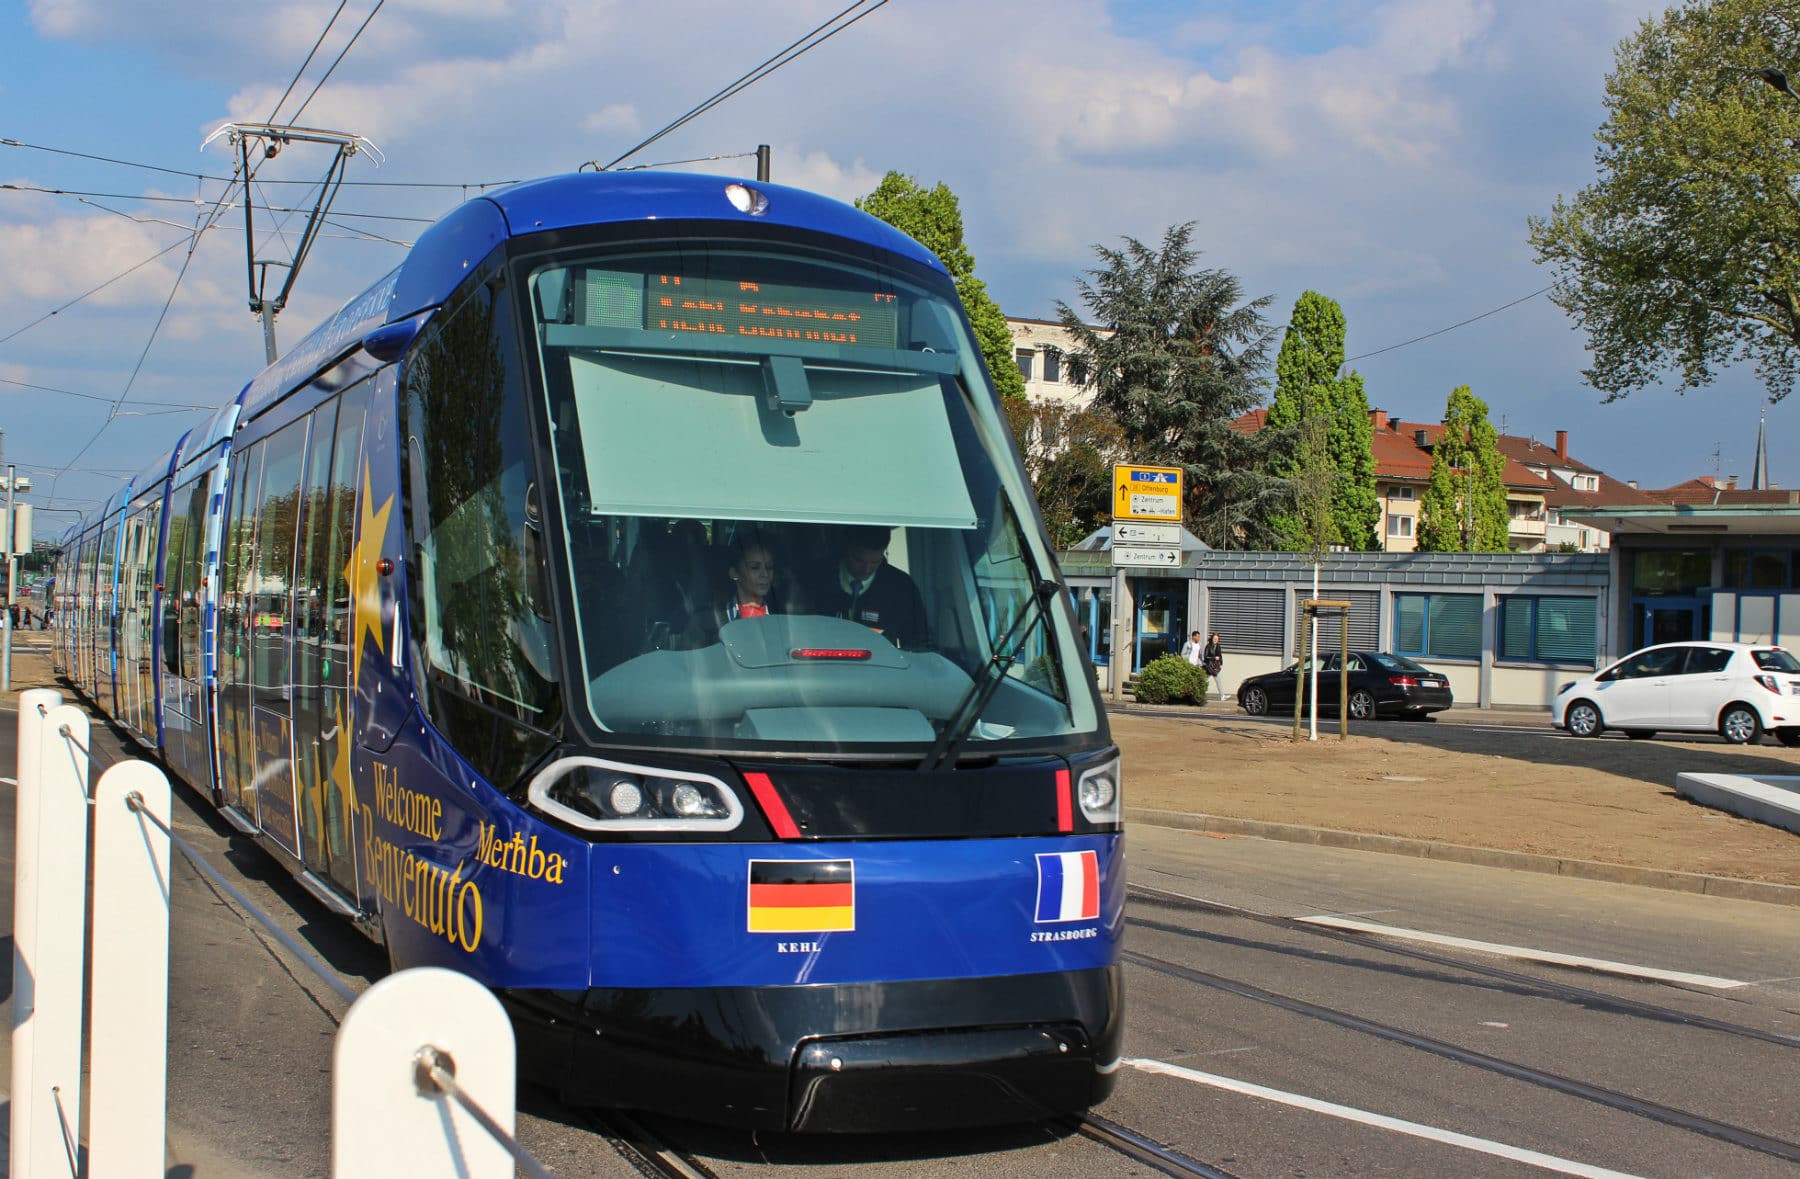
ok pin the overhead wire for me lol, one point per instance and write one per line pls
(464, 185)
(808, 41)
(54, 311)
(1451, 328)
(310, 54)
(168, 200)
(177, 405)
(205, 222)
(337, 60)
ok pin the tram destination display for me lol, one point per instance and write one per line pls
(744, 308)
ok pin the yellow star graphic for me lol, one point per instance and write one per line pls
(365, 582)
(338, 784)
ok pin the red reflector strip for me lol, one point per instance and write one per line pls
(773, 808)
(830, 653)
(1065, 803)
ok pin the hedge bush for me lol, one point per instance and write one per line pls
(1170, 679)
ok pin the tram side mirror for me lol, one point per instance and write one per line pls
(387, 342)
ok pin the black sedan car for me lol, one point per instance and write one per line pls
(1380, 684)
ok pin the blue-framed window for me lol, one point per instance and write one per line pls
(1549, 629)
(1444, 626)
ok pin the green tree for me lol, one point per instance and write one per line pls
(1684, 256)
(1178, 356)
(1330, 461)
(1068, 453)
(933, 218)
(1463, 509)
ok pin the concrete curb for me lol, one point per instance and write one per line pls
(1712, 886)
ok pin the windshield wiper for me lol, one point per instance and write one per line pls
(987, 678)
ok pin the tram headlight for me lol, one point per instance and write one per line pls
(1098, 793)
(600, 795)
(689, 800)
(624, 796)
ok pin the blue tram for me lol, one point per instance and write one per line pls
(635, 601)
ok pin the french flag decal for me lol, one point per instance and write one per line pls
(1068, 887)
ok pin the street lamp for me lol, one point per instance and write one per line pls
(1774, 78)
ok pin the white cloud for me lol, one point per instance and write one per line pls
(1386, 153)
(614, 117)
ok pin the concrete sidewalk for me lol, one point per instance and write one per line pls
(1459, 714)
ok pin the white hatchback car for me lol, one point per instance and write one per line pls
(1737, 690)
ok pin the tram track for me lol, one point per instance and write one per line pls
(646, 1151)
(1587, 996)
(1740, 1136)
(1139, 1148)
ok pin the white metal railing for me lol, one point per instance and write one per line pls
(422, 1067)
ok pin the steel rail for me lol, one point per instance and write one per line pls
(647, 1153)
(1643, 1107)
(1586, 995)
(1134, 1145)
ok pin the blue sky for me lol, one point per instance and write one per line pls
(1384, 152)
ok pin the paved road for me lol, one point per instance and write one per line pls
(1220, 993)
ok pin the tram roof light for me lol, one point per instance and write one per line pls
(745, 199)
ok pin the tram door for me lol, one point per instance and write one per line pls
(320, 624)
(271, 636)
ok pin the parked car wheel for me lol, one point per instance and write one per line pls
(1640, 734)
(1583, 719)
(1362, 704)
(1788, 737)
(1255, 701)
(1738, 724)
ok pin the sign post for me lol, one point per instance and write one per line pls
(1146, 534)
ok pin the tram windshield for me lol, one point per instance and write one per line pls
(791, 511)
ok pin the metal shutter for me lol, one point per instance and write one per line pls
(1365, 619)
(1248, 620)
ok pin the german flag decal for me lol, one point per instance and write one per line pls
(802, 896)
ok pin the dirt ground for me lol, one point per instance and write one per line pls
(1402, 785)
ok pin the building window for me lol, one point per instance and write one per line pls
(1670, 571)
(1400, 526)
(1447, 626)
(1078, 373)
(1757, 569)
(1052, 366)
(1587, 483)
(1548, 630)
(1024, 356)
(1400, 493)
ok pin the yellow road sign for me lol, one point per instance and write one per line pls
(1146, 493)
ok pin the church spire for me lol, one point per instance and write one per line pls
(1759, 473)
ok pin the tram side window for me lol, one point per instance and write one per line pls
(175, 580)
(276, 531)
(193, 575)
(235, 578)
(476, 610)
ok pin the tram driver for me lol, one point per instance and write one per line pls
(865, 588)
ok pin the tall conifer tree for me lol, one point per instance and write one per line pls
(1180, 357)
(1463, 509)
(933, 218)
(1307, 382)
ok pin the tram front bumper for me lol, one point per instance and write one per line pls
(848, 1058)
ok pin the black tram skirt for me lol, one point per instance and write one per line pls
(854, 1058)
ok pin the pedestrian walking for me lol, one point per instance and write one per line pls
(1191, 650)
(1212, 661)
